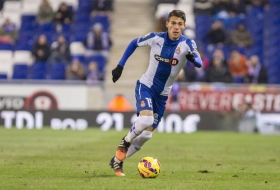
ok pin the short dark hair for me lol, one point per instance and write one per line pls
(177, 13)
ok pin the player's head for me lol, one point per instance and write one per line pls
(176, 24)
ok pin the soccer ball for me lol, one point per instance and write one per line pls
(149, 167)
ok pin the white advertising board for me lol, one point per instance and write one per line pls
(50, 96)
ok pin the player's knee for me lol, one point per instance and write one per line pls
(144, 122)
(146, 135)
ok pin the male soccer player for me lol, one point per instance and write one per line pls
(169, 53)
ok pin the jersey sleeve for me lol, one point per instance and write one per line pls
(192, 45)
(146, 40)
(193, 48)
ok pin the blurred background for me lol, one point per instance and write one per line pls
(56, 58)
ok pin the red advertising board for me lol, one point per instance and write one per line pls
(211, 99)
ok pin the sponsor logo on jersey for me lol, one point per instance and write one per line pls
(142, 104)
(172, 61)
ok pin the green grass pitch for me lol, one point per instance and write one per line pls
(48, 159)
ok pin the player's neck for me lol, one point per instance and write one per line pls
(169, 40)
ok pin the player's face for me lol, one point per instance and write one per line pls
(175, 26)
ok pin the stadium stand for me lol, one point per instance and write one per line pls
(261, 20)
(16, 57)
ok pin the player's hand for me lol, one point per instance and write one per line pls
(190, 57)
(117, 72)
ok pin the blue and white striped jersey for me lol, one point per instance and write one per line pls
(167, 58)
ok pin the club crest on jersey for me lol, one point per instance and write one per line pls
(178, 51)
(172, 61)
(142, 104)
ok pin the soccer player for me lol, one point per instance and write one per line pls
(169, 53)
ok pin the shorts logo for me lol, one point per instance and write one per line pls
(178, 51)
(172, 61)
(155, 118)
(142, 104)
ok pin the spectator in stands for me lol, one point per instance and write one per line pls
(257, 73)
(256, 4)
(219, 54)
(218, 71)
(8, 32)
(204, 58)
(60, 51)
(75, 71)
(240, 37)
(41, 49)
(220, 5)
(193, 74)
(45, 13)
(93, 75)
(238, 66)
(203, 7)
(199, 74)
(63, 15)
(103, 5)
(119, 104)
(97, 41)
(216, 36)
(237, 7)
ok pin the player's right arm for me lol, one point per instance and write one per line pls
(142, 41)
(117, 72)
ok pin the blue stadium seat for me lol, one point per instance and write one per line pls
(81, 58)
(101, 61)
(38, 71)
(57, 71)
(20, 71)
(27, 27)
(82, 17)
(78, 37)
(84, 6)
(3, 76)
(204, 23)
(28, 19)
(66, 28)
(23, 44)
(47, 27)
(4, 46)
(81, 27)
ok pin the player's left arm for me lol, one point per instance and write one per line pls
(193, 55)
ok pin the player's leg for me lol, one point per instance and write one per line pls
(146, 119)
(145, 110)
(137, 143)
(140, 140)
(117, 166)
(135, 146)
